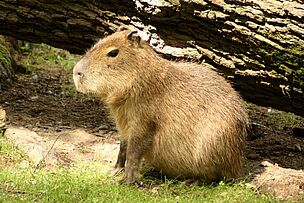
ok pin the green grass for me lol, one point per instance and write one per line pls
(43, 56)
(8, 153)
(285, 119)
(279, 120)
(86, 183)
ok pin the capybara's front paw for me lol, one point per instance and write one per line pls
(130, 177)
(128, 181)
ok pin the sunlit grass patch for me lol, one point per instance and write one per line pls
(42, 56)
(279, 120)
(85, 183)
(8, 153)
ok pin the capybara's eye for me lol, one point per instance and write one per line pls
(113, 53)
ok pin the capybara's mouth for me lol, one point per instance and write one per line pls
(78, 82)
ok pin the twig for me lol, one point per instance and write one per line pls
(44, 157)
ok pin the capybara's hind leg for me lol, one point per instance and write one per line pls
(121, 159)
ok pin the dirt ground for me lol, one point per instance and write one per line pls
(46, 103)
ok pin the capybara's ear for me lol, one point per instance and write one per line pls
(134, 38)
(122, 28)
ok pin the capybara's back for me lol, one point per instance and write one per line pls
(202, 125)
(183, 118)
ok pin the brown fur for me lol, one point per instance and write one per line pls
(182, 118)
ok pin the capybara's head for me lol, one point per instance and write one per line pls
(111, 65)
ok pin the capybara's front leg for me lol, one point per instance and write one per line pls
(138, 144)
(134, 156)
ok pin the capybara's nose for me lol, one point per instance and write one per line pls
(79, 69)
(78, 74)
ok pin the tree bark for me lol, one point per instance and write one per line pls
(257, 44)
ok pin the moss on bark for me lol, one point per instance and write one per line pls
(6, 62)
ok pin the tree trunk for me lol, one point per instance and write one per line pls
(257, 44)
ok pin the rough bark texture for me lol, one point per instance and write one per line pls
(257, 44)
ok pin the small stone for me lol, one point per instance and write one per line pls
(34, 77)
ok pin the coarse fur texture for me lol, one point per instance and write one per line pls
(182, 118)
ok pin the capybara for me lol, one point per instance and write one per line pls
(182, 118)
